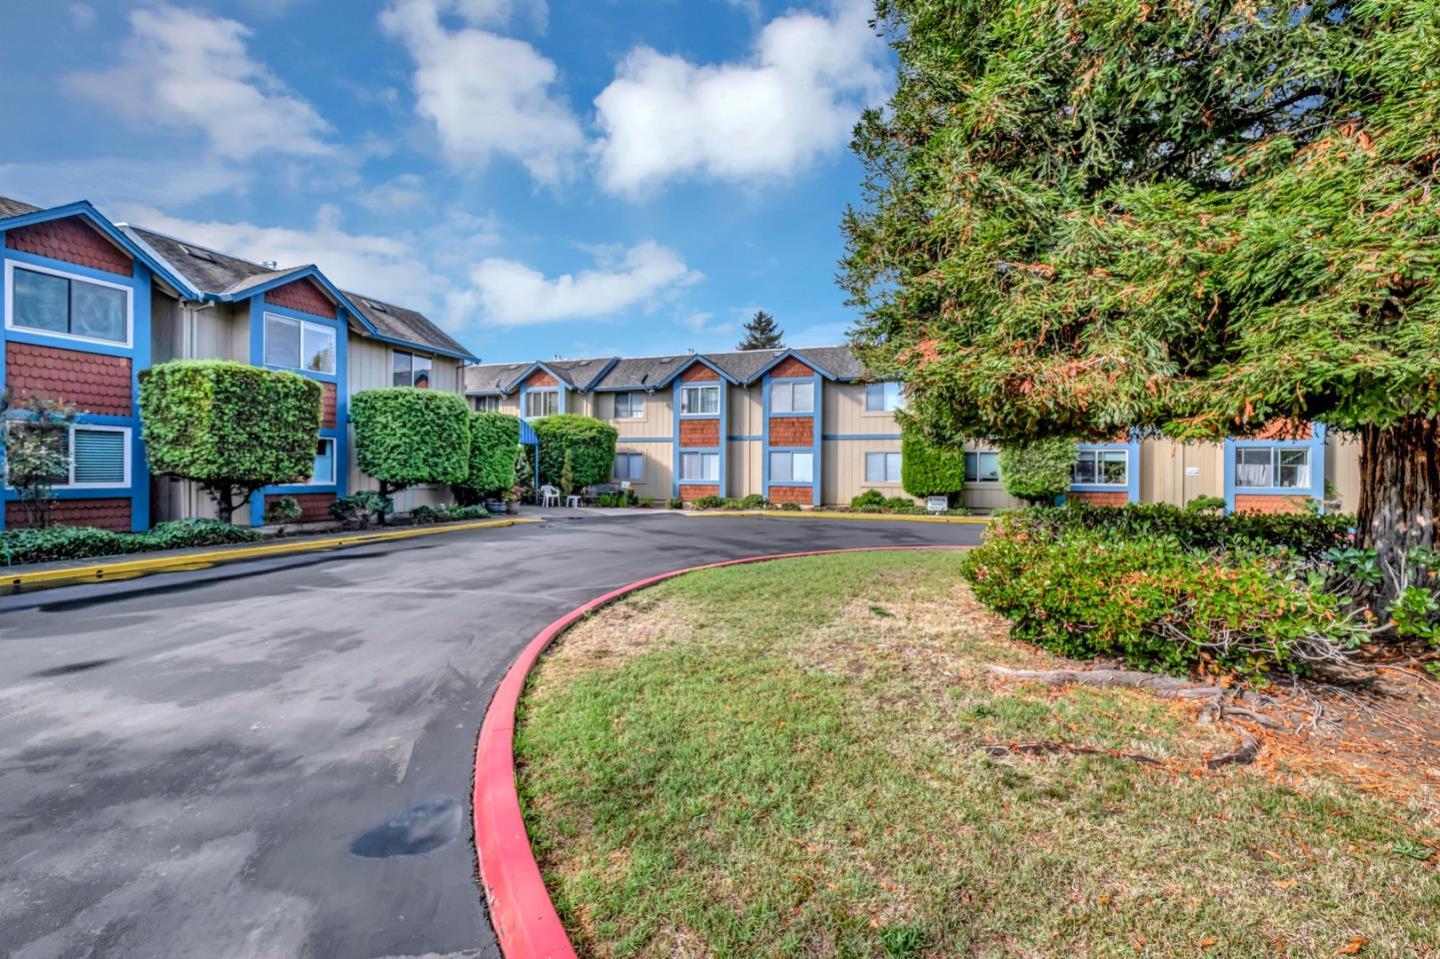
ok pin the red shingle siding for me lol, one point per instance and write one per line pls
(1100, 499)
(691, 493)
(540, 379)
(93, 382)
(1269, 503)
(791, 367)
(304, 296)
(699, 373)
(792, 431)
(111, 514)
(74, 241)
(327, 407)
(1283, 430)
(314, 507)
(803, 495)
(696, 434)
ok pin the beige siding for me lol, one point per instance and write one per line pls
(1342, 468)
(745, 415)
(989, 496)
(844, 470)
(659, 468)
(845, 412)
(657, 421)
(743, 475)
(1176, 473)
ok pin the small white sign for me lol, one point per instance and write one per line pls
(1192, 471)
(937, 504)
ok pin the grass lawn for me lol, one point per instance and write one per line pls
(786, 760)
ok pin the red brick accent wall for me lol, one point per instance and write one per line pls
(302, 295)
(695, 434)
(792, 431)
(1283, 430)
(314, 507)
(792, 494)
(699, 373)
(791, 367)
(327, 407)
(539, 379)
(1100, 499)
(1269, 503)
(93, 382)
(111, 514)
(691, 493)
(74, 241)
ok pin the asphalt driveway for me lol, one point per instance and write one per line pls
(273, 759)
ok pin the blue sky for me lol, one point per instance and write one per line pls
(577, 177)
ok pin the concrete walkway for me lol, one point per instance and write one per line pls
(272, 758)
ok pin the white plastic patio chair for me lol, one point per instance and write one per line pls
(549, 496)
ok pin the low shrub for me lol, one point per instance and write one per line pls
(871, 497)
(753, 501)
(183, 533)
(709, 502)
(425, 515)
(21, 546)
(1205, 504)
(280, 510)
(674, 502)
(472, 512)
(358, 509)
(624, 497)
(790, 507)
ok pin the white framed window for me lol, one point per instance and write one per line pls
(792, 397)
(629, 406)
(299, 344)
(790, 467)
(1272, 467)
(540, 403)
(883, 398)
(323, 473)
(409, 369)
(42, 300)
(487, 404)
(700, 400)
(982, 467)
(1101, 468)
(95, 456)
(882, 467)
(630, 466)
(700, 467)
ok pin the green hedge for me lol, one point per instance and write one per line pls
(231, 427)
(493, 441)
(928, 470)
(1040, 471)
(590, 443)
(406, 436)
(19, 546)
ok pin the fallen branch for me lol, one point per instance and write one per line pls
(1049, 749)
(1242, 755)
(1166, 686)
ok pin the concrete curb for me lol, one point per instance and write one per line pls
(826, 514)
(184, 562)
(525, 922)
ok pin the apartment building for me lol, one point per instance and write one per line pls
(88, 304)
(808, 426)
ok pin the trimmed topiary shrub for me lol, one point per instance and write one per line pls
(929, 470)
(493, 441)
(406, 436)
(1038, 472)
(870, 499)
(590, 443)
(230, 427)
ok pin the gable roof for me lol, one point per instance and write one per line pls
(405, 324)
(11, 207)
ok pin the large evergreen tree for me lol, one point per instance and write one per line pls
(761, 333)
(1201, 218)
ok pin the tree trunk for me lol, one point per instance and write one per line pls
(1399, 499)
(224, 504)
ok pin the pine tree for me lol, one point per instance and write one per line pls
(761, 333)
(1201, 218)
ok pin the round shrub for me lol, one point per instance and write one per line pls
(929, 470)
(493, 441)
(590, 443)
(1038, 472)
(406, 436)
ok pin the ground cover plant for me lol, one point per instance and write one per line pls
(814, 758)
(20, 546)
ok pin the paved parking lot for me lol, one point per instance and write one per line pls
(273, 759)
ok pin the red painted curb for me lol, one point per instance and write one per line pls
(521, 912)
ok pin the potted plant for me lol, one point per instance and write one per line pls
(512, 500)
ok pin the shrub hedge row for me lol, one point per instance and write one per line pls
(19, 546)
(589, 442)
(493, 441)
(928, 470)
(405, 436)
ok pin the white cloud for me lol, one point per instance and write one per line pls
(82, 15)
(794, 99)
(191, 71)
(486, 94)
(513, 294)
(402, 194)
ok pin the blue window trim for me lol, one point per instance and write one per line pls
(681, 387)
(722, 450)
(872, 437)
(1131, 486)
(816, 417)
(303, 317)
(1316, 489)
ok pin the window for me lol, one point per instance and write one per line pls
(882, 467)
(883, 398)
(323, 473)
(630, 466)
(629, 406)
(95, 455)
(541, 403)
(792, 467)
(982, 467)
(792, 397)
(1272, 467)
(487, 404)
(409, 369)
(298, 345)
(699, 400)
(1101, 468)
(65, 305)
(700, 467)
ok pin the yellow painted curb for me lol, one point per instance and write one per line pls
(131, 568)
(825, 514)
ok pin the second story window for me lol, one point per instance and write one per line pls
(540, 403)
(50, 302)
(409, 369)
(629, 406)
(298, 345)
(487, 404)
(883, 398)
(699, 400)
(792, 397)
